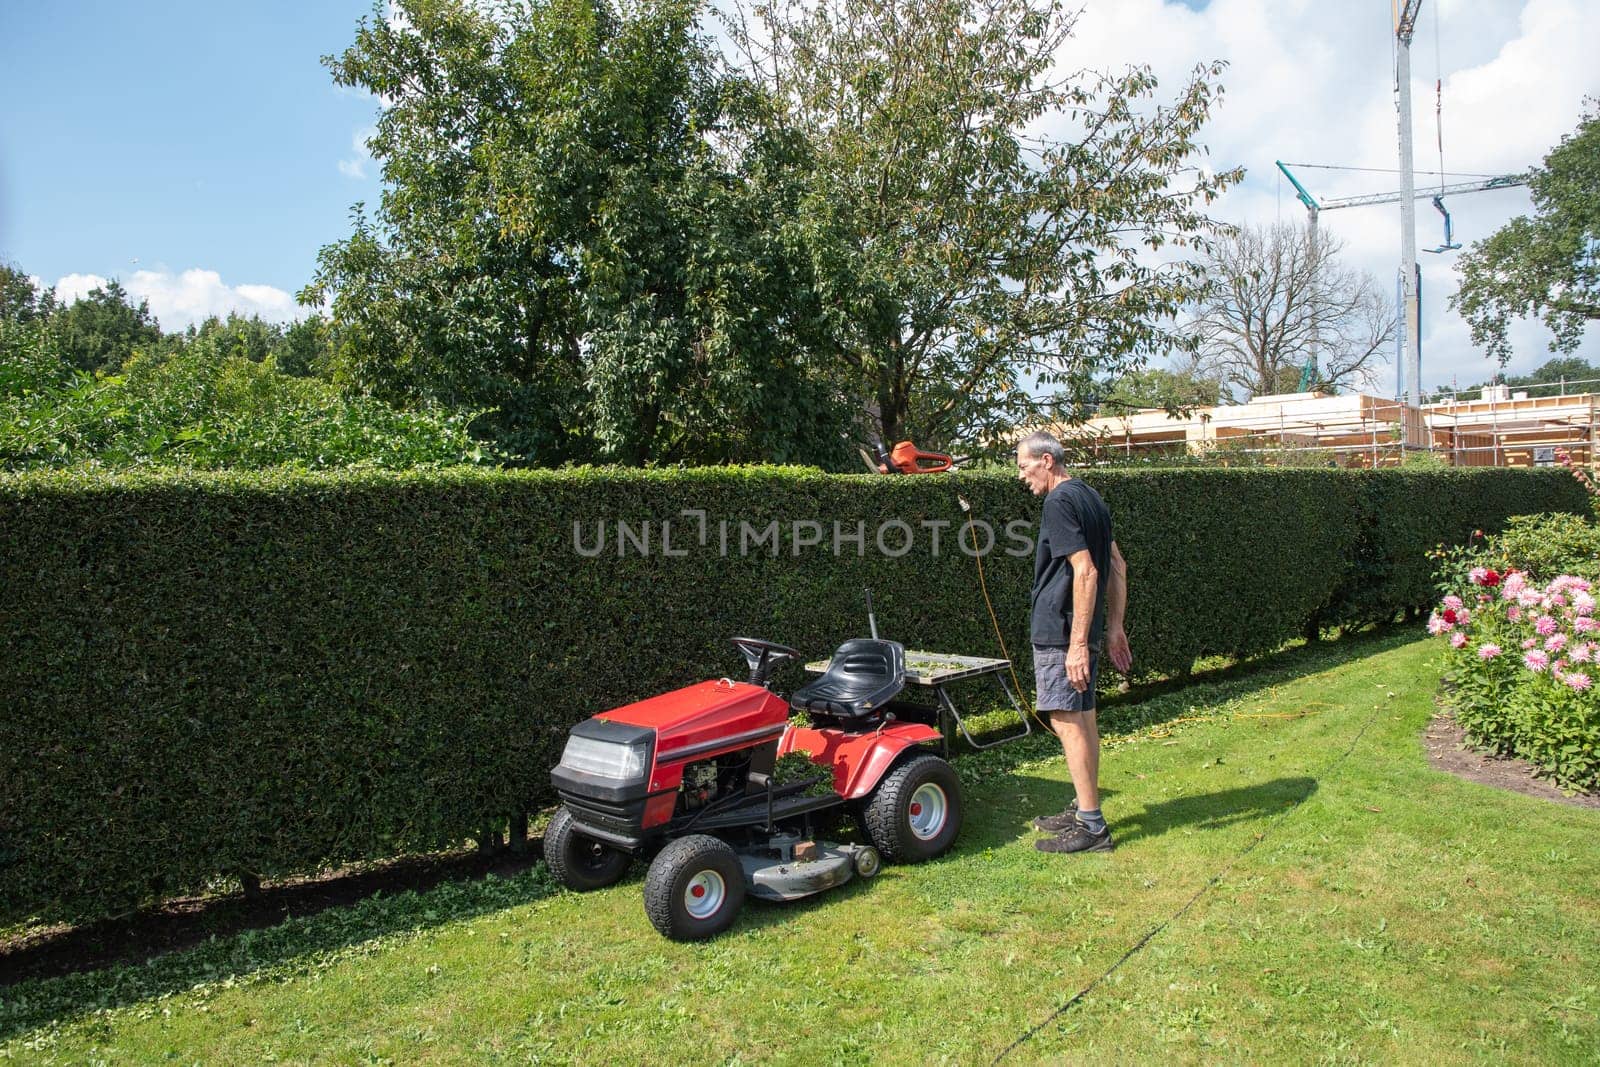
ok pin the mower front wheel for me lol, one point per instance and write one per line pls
(915, 812)
(578, 861)
(695, 888)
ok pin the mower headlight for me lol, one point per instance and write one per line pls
(620, 761)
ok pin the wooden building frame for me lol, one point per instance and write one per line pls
(1497, 428)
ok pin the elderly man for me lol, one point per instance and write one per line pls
(1080, 592)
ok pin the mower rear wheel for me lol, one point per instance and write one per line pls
(915, 812)
(578, 861)
(695, 888)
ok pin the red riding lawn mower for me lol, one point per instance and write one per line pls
(688, 778)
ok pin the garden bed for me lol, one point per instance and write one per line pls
(1450, 751)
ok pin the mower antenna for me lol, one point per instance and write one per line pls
(872, 622)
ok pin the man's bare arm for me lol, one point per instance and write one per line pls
(1116, 610)
(1085, 587)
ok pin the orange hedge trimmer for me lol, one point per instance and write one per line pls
(905, 458)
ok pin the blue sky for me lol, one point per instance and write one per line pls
(176, 135)
(201, 153)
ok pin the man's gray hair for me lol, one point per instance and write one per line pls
(1040, 443)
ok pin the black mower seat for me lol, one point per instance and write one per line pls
(864, 675)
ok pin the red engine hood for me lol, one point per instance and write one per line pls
(715, 714)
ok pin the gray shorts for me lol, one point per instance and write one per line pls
(1054, 691)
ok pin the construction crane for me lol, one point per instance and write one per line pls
(1410, 340)
(1408, 387)
(1405, 24)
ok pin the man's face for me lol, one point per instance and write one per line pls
(1033, 470)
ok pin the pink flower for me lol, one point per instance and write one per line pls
(1458, 640)
(1583, 603)
(1546, 625)
(1530, 598)
(1530, 642)
(1586, 624)
(1513, 613)
(1577, 680)
(1479, 575)
(1514, 584)
(1555, 643)
(1452, 601)
(1535, 660)
(1582, 653)
(1488, 650)
(1463, 617)
(1437, 625)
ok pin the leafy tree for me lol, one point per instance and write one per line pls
(1548, 265)
(244, 337)
(1562, 368)
(1175, 389)
(307, 347)
(1275, 296)
(1557, 371)
(20, 299)
(978, 226)
(576, 234)
(102, 329)
(194, 402)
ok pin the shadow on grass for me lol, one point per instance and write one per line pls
(1207, 811)
(294, 945)
(183, 922)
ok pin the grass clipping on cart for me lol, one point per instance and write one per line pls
(796, 766)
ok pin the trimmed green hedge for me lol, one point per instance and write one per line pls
(1402, 510)
(268, 672)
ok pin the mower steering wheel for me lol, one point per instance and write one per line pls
(763, 657)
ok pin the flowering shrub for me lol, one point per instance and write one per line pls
(1541, 547)
(1523, 660)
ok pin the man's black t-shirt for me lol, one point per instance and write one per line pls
(1074, 519)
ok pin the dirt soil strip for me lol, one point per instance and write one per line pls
(187, 921)
(1449, 751)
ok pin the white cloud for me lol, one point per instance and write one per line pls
(356, 165)
(1307, 82)
(73, 286)
(189, 298)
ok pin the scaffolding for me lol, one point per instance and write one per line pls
(1502, 427)
(1496, 427)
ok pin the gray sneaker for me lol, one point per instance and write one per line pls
(1077, 838)
(1054, 824)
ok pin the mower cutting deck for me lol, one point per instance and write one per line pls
(687, 777)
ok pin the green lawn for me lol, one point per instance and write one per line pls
(1391, 913)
